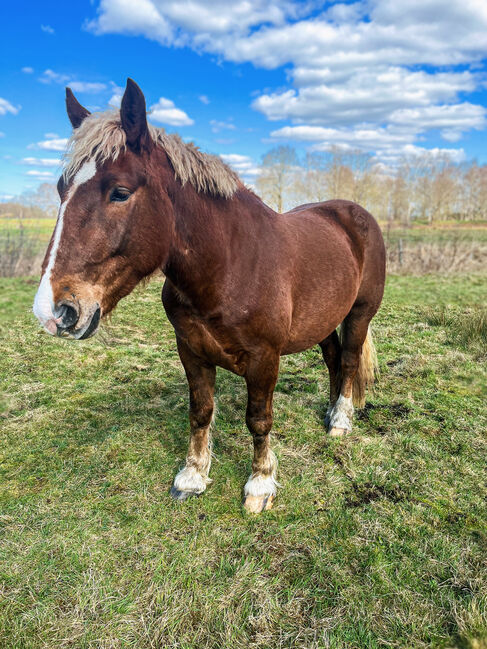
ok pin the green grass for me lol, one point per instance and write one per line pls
(378, 539)
(466, 327)
(446, 232)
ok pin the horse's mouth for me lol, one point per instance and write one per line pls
(88, 329)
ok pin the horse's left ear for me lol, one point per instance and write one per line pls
(133, 115)
(76, 112)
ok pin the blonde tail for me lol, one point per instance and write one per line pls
(367, 370)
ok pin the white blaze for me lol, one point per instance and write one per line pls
(43, 301)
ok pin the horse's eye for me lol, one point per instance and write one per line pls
(119, 194)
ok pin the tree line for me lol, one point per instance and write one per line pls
(430, 187)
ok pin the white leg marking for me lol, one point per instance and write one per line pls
(43, 301)
(190, 481)
(342, 413)
(259, 485)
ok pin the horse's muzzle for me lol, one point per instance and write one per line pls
(68, 319)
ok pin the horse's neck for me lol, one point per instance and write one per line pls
(208, 231)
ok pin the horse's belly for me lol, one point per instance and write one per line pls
(306, 333)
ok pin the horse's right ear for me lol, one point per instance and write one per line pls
(133, 115)
(76, 112)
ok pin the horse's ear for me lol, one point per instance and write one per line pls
(76, 112)
(133, 114)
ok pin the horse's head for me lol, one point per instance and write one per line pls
(115, 222)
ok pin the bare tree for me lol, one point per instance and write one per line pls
(312, 184)
(339, 177)
(473, 189)
(428, 186)
(45, 197)
(277, 180)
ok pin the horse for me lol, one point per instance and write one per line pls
(243, 285)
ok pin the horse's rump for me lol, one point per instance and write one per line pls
(335, 246)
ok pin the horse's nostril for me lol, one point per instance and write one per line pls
(68, 315)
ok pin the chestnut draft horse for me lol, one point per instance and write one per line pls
(244, 285)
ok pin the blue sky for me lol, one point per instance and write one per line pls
(240, 77)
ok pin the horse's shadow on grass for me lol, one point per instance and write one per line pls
(157, 407)
(160, 412)
(231, 440)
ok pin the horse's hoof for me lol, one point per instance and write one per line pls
(258, 504)
(182, 495)
(337, 432)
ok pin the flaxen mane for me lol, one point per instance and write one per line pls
(102, 137)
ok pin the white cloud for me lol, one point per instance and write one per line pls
(258, 31)
(242, 164)
(204, 99)
(28, 70)
(42, 162)
(367, 138)
(50, 136)
(116, 100)
(119, 16)
(165, 112)
(50, 76)
(47, 29)
(364, 95)
(2, 134)
(389, 144)
(217, 126)
(53, 144)
(355, 68)
(6, 197)
(86, 86)
(456, 155)
(405, 125)
(457, 117)
(170, 21)
(7, 107)
(42, 175)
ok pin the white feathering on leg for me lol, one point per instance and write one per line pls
(342, 413)
(190, 481)
(259, 485)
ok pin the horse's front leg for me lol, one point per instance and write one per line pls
(260, 489)
(193, 478)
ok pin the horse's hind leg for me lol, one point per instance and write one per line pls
(261, 377)
(331, 350)
(354, 334)
(193, 477)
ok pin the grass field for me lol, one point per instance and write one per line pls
(378, 539)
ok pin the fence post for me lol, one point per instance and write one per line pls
(399, 250)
